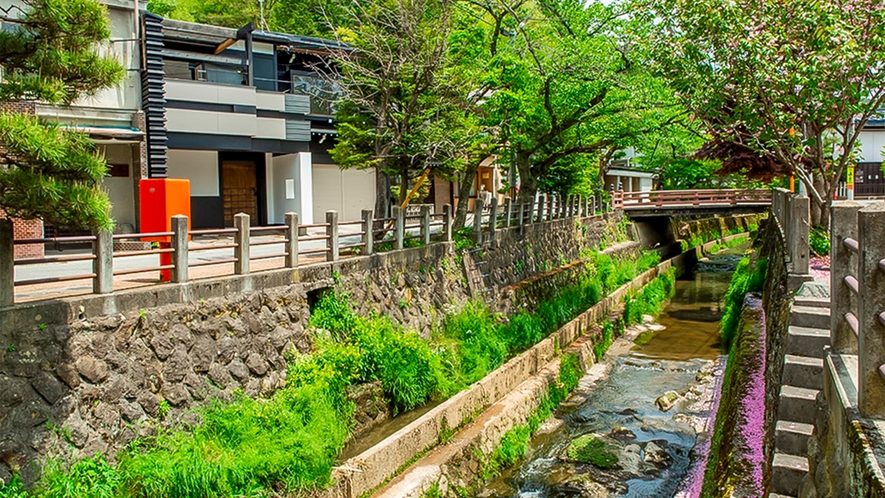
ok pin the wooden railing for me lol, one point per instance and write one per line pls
(293, 241)
(665, 198)
(857, 297)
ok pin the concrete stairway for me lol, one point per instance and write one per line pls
(801, 383)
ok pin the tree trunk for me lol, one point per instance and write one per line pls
(528, 184)
(465, 181)
(403, 183)
(381, 194)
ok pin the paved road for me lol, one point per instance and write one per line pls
(73, 268)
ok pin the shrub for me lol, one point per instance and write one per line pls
(819, 240)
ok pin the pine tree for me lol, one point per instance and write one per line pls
(51, 56)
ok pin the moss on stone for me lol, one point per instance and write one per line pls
(590, 449)
(644, 338)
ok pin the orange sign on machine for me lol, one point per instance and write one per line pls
(160, 200)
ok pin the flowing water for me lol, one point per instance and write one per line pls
(660, 453)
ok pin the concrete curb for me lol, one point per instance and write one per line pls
(521, 378)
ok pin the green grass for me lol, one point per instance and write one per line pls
(819, 240)
(651, 299)
(515, 443)
(12, 489)
(729, 244)
(289, 442)
(745, 279)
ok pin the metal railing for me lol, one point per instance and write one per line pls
(700, 197)
(173, 254)
(857, 296)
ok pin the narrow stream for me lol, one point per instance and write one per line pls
(659, 453)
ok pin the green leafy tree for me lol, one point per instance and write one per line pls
(51, 56)
(393, 95)
(571, 83)
(792, 81)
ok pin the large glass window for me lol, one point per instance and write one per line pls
(323, 93)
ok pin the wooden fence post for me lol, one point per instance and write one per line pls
(179, 245)
(425, 225)
(493, 219)
(542, 201)
(508, 211)
(103, 264)
(399, 226)
(368, 238)
(799, 233)
(291, 240)
(447, 222)
(477, 221)
(241, 239)
(7, 263)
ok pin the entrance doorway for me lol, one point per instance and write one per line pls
(239, 190)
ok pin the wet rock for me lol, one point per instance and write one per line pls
(594, 450)
(583, 486)
(656, 455)
(646, 319)
(667, 400)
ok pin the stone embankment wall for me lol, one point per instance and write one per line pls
(776, 302)
(737, 463)
(79, 376)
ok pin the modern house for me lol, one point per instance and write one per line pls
(869, 179)
(245, 115)
(622, 175)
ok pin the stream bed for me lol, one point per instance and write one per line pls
(621, 404)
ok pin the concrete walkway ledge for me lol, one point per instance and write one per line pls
(500, 400)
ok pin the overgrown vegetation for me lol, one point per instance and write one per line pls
(515, 443)
(651, 299)
(289, 441)
(746, 278)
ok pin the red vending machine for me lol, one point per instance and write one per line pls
(161, 199)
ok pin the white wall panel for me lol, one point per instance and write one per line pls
(198, 166)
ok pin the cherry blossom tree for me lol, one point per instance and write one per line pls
(793, 80)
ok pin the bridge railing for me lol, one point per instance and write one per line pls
(792, 213)
(661, 198)
(857, 297)
(181, 254)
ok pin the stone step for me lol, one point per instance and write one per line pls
(797, 404)
(806, 341)
(810, 316)
(787, 473)
(792, 437)
(812, 302)
(803, 371)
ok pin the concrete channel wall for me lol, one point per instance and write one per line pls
(487, 410)
(87, 375)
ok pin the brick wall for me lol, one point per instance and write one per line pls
(24, 229)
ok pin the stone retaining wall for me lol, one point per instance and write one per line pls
(79, 376)
(89, 374)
